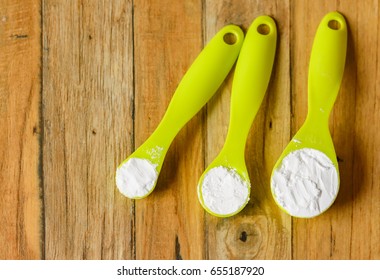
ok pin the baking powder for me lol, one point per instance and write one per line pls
(223, 190)
(306, 183)
(136, 177)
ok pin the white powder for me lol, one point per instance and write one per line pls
(155, 153)
(136, 177)
(224, 191)
(306, 183)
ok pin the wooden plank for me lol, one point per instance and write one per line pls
(168, 37)
(20, 61)
(375, 154)
(338, 233)
(88, 128)
(365, 240)
(260, 231)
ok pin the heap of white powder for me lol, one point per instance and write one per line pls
(224, 192)
(136, 177)
(306, 183)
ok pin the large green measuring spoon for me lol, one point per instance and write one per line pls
(305, 179)
(227, 175)
(136, 176)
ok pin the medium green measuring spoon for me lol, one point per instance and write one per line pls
(306, 196)
(251, 78)
(136, 177)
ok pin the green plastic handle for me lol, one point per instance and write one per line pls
(252, 75)
(326, 66)
(200, 82)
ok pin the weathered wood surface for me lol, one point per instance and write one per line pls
(21, 212)
(88, 128)
(84, 83)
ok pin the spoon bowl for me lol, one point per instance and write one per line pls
(236, 168)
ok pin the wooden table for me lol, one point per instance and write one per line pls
(83, 83)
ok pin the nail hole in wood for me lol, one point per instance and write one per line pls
(243, 236)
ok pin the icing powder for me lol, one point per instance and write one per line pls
(306, 183)
(224, 191)
(136, 177)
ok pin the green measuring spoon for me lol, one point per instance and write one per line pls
(252, 74)
(137, 176)
(305, 179)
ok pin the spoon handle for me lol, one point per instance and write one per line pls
(326, 66)
(200, 82)
(252, 74)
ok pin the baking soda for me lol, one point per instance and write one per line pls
(136, 177)
(224, 191)
(306, 183)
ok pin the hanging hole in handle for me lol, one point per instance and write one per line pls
(333, 24)
(230, 38)
(263, 29)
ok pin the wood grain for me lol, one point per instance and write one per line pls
(20, 203)
(365, 173)
(168, 37)
(260, 231)
(88, 128)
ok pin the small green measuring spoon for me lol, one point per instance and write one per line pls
(325, 74)
(136, 177)
(252, 74)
